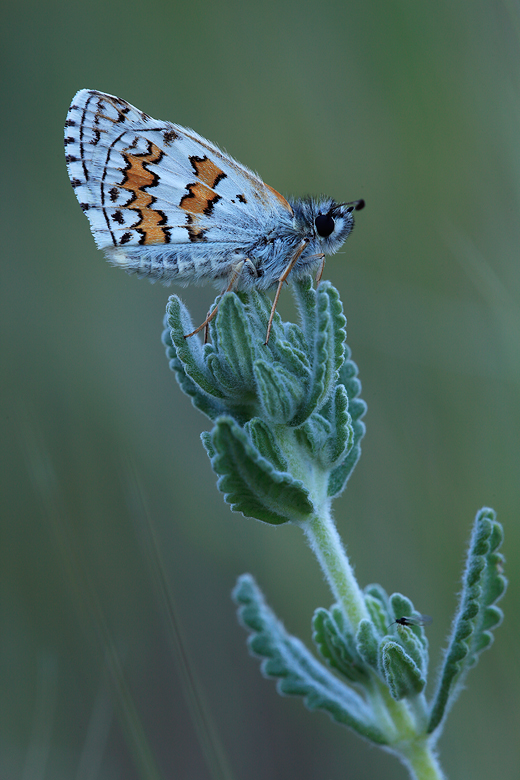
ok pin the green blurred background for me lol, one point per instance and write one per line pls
(414, 106)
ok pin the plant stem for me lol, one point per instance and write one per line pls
(324, 540)
(422, 762)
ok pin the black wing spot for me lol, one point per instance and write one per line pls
(169, 136)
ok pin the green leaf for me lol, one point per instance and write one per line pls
(305, 299)
(377, 592)
(279, 392)
(258, 307)
(401, 606)
(235, 343)
(402, 675)
(299, 673)
(292, 357)
(189, 352)
(356, 409)
(323, 325)
(483, 584)
(208, 444)
(295, 348)
(415, 646)
(367, 644)
(341, 435)
(207, 404)
(336, 645)
(265, 442)
(378, 610)
(250, 483)
(313, 435)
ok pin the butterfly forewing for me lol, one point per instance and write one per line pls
(144, 182)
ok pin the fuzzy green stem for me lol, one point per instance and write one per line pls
(422, 762)
(324, 540)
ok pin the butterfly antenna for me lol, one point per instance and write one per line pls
(357, 205)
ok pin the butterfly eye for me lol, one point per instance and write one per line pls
(324, 225)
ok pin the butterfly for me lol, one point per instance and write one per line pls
(168, 205)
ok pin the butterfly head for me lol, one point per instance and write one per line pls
(326, 223)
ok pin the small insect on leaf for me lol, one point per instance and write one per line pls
(416, 620)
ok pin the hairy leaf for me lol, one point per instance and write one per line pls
(335, 644)
(250, 483)
(483, 584)
(299, 673)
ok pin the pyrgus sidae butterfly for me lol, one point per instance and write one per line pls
(166, 204)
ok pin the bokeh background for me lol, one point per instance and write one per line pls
(414, 106)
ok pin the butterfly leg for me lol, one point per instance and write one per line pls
(320, 272)
(281, 280)
(212, 312)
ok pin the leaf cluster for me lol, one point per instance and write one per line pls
(381, 650)
(287, 427)
(287, 416)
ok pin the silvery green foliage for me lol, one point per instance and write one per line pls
(483, 584)
(287, 417)
(395, 654)
(298, 672)
(285, 439)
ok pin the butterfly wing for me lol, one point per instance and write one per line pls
(153, 184)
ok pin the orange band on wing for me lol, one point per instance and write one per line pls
(207, 171)
(137, 177)
(200, 200)
(281, 198)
